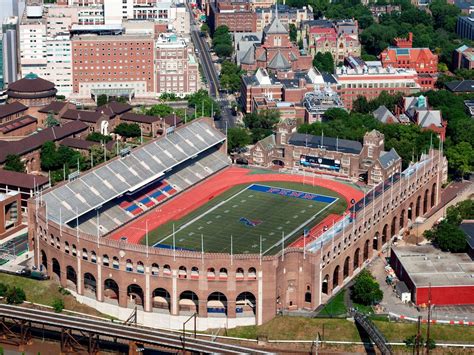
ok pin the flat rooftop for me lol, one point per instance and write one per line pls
(427, 265)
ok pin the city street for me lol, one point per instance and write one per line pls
(226, 118)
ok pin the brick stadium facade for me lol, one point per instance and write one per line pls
(167, 287)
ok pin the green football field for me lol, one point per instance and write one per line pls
(242, 216)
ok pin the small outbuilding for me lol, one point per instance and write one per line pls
(403, 292)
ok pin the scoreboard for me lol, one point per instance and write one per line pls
(320, 163)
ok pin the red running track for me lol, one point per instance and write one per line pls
(188, 201)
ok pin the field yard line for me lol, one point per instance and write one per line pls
(285, 188)
(202, 215)
(301, 225)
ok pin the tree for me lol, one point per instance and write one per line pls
(3, 289)
(48, 156)
(462, 210)
(58, 305)
(205, 28)
(102, 100)
(261, 124)
(293, 33)
(324, 62)
(223, 50)
(159, 110)
(237, 137)
(15, 295)
(51, 121)
(98, 137)
(203, 104)
(230, 76)
(461, 158)
(448, 237)
(13, 162)
(222, 42)
(361, 105)
(411, 342)
(366, 289)
(128, 130)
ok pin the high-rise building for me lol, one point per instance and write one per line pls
(119, 65)
(177, 70)
(465, 27)
(9, 50)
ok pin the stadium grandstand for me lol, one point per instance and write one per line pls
(107, 197)
(233, 246)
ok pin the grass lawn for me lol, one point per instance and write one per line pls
(45, 292)
(299, 328)
(246, 213)
(336, 306)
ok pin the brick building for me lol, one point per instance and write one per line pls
(25, 184)
(176, 68)
(463, 58)
(369, 79)
(432, 275)
(113, 65)
(276, 52)
(344, 158)
(403, 55)
(32, 91)
(10, 214)
(281, 87)
(29, 147)
(237, 15)
(287, 15)
(339, 37)
(414, 110)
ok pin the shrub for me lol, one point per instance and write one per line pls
(58, 305)
(15, 295)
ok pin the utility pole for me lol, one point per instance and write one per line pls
(429, 321)
(418, 336)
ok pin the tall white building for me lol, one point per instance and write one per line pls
(45, 45)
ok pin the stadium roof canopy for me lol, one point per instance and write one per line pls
(129, 173)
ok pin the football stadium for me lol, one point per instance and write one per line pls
(172, 229)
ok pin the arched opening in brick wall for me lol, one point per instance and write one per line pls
(111, 291)
(356, 260)
(135, 296)
(188, 303)
(56, 269)
(325, 285)
(161, 300)
(71, 277)
(346, 269)
(90, 285)
(217, 304)
(245, 304)
(335, 277)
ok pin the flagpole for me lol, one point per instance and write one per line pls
(202, 248)
(146, 231)
(282, 246)
(98, 223)
(260, 249)
(77, 224)
(231, 250)
(304, 245)
(174, 244)
(60, 222)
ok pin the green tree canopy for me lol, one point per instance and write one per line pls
(13, 162)
(203, 104)
(222, 42)
(261, 124)
(230, 76)
(102, 100)
(237, 137)
(324, 62)
(15, 295)
(160, 110)
(98, 137)
(51, 121)
(128, 130)
(366, 289)
(448, 237)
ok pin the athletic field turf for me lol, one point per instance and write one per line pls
(242, 214)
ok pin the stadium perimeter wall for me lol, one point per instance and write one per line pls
(290, 280)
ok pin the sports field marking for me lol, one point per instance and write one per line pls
(202, 215)
(289, 235)
(284, 192)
